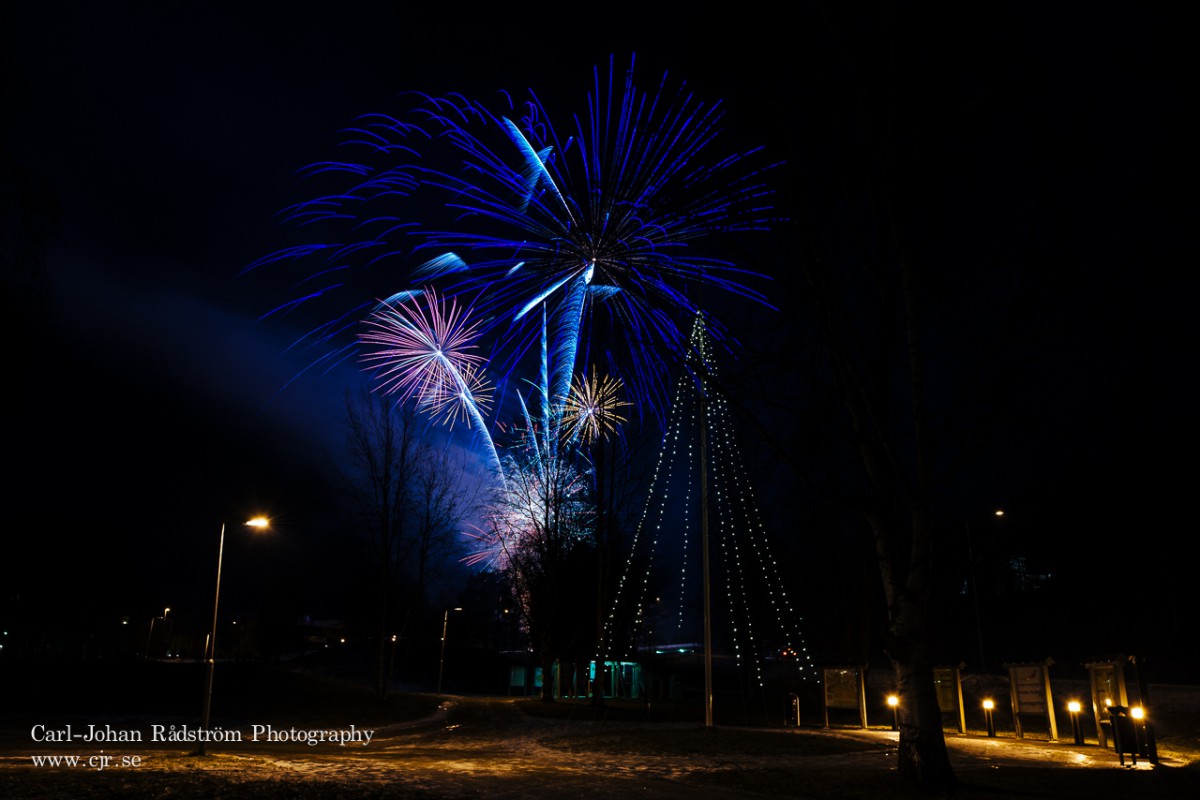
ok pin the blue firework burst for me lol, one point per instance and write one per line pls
(600, 228)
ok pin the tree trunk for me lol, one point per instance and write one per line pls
(922, 758)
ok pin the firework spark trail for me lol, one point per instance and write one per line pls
(606, 228)
(494, 201)
(425, 352)
(544, 498)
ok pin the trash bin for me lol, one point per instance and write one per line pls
(791, 711)
(1124, 733)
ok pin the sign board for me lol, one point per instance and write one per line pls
(1029, 692)
(1029, 689)
(845, 687)
(948, 685)
(1108, 689)
(841, 688)
(1105, 691)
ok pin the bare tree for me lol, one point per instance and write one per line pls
(405, 498)
(899, 338)
(441, 497)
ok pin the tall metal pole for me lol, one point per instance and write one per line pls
(442, 661)
(708, 677)
(975, 599)
(149, 636)
(212, 647)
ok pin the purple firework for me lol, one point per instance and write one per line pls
(608, 224)
(421, 346)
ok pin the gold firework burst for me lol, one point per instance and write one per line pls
(593, 408)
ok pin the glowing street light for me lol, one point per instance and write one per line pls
(893, 702)
(261, 523)
(989, 706)
(1076, 729)
(442, 661)
(1141, 735)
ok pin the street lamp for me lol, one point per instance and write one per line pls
(989, 707)
(971, 564)
(1074, 707)
(893, 702)
(442, 661)
(261, 523)
(150, 635)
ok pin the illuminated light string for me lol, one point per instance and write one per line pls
(760, 620)
(739, 500)
(689, 481)
(648, 530)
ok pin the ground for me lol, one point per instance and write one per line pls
(425, 746)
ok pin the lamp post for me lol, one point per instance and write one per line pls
(1139, 730)
(1074, 708)
(893, 702)
(150, 635)
(971, 564)
(442, 660)
(988, 707)
(210, 649)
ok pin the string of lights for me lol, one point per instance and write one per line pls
(760, 622)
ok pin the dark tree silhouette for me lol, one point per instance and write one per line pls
(405, 498)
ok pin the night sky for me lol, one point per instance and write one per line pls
(147, 147)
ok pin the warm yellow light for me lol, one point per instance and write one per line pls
(1137, 712)
(989, 705)
(259, 522)
(893, 701)
(1108, 701)
(999, 512)
(1073, 706)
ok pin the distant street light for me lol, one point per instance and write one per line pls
(150, 635)
(260, 523)
(442, 661)
(893, 702)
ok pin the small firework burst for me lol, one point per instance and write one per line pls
(592, 409)
(452, 403)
